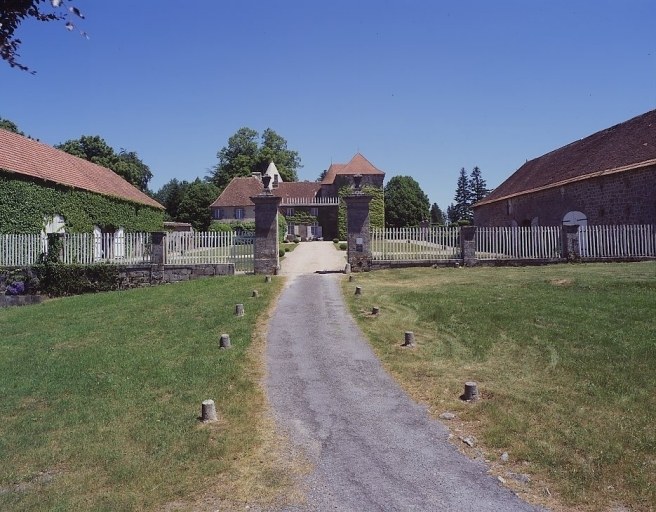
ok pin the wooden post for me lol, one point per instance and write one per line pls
(239, 309)
(375, 310)
(350, 278)
(256, 293)
(358, 290)
(208, 411)
(267, 279)
(409, 339)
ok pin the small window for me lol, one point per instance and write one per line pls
(219, 213)
(289, 212)
(314, 211)
(290, 229)
(239, 213)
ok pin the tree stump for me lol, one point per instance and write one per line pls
(239, 309)
(351, 279)
(471, 391)
(208, 411)
(358, 290)
(256, 293)
(224, 342)
(267, 279)
(375, 310)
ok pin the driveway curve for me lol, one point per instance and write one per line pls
(371, 446)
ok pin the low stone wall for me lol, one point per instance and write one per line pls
(139, 276)
(128, 277)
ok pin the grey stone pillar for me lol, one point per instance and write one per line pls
(358, 234)
(267, 260)
(570, 243)
(158, 239)
(468, 245)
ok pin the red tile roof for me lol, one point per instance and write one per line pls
(27, 157)
(623, 147)
(358, 165)
(239, 191)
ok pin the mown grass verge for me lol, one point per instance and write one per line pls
(564, 355)
(101, 396)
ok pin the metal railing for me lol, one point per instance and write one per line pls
(415, 244)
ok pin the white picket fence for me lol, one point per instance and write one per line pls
(80, 248)
(617, 241)
(415, 244)
(526, 243)
(199, 248)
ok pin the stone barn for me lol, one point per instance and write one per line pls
(606, 178)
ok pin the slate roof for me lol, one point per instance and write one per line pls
(27, 157)
(239, 191)
(358, 165)
(624, 147)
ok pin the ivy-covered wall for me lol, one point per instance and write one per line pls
(376, 207)
(24, 204)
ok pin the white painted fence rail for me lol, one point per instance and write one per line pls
(537, 242)
(203, 248)
(308, 201)
(18, 250)
(632, 241)
(415, 244)
(80, 248)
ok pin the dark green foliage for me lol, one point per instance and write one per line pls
(194, 207)
(282, 227)
(235, 225)
(10, 126)
(24, 204)
(59, 280)
(477, 186)
(406, 204)
(437, 215)
(14, 12)
(468, 192)
(376, 208)
(126, 164)
(461, 210)
(244, 155)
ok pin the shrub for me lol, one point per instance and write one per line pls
(281, 252)
(297, 240)
(343, 246)
(335, 240)
(59, 280)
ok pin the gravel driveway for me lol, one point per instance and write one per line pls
(371, 446)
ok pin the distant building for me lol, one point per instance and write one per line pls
(311, 208)
(606, 178)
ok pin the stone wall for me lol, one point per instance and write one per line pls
(129, 277)
(620, 198)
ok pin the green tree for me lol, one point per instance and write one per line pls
(14, 12)
(477, 186)
(437, 215)
(274, 149)
(406, 204)
(244, 155)
(195, 201)
(126, 164)
(10, 126)
(462, 211)
(170, 196)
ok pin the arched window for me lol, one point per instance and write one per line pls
(575, 218)
(54, 224)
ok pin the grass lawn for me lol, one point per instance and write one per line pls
(565, 359)
(101, 395)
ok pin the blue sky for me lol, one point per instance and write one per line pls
(421, 88)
